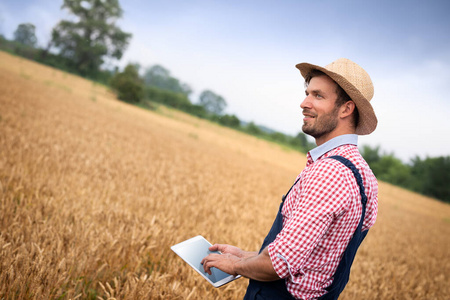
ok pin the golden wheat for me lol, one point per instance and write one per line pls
(95, 191)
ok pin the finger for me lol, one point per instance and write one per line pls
(215, 247)
(209, 257)
(207, 268)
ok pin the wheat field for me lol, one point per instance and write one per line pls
(95, 191)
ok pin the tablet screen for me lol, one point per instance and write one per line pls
(193, 251)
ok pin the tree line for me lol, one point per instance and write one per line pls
(84, 47)
(158, 86)
(429, 176)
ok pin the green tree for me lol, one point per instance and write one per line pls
(176, 100)
(253, 129)
(94, 37)
(212, 102)
(302, 142)
(159, 77)
(25, 34)
(128, 85)
(230, 121)
(279, 137)
(392, 170)
(432, 176)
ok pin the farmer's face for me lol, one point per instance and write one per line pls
(319, 109)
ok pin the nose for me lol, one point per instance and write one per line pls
(306, 103)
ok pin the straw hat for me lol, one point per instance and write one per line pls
(358, 85)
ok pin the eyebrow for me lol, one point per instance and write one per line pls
(314, 91)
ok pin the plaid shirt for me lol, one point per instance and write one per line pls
(320, 215)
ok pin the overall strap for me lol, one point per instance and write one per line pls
(357, 175)
(342, 274)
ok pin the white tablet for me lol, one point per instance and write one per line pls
(193, 251)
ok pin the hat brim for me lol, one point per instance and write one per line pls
(367, 118)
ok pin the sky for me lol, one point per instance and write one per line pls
(246, 51)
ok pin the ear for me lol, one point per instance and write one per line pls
(347, 109)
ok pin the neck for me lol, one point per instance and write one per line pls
(336, 132)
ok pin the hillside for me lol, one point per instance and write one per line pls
(94, 192)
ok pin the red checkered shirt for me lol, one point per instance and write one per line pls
(320, 215)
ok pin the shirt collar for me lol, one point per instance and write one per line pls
(333, 143)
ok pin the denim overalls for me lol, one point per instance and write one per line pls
(277, 289)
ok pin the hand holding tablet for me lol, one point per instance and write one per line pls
(193, 251)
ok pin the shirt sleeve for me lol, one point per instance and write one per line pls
(323, 197)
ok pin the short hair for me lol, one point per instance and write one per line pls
(342, 96)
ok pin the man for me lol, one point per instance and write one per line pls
(329, 209)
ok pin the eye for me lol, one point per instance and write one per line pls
(319, 96)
